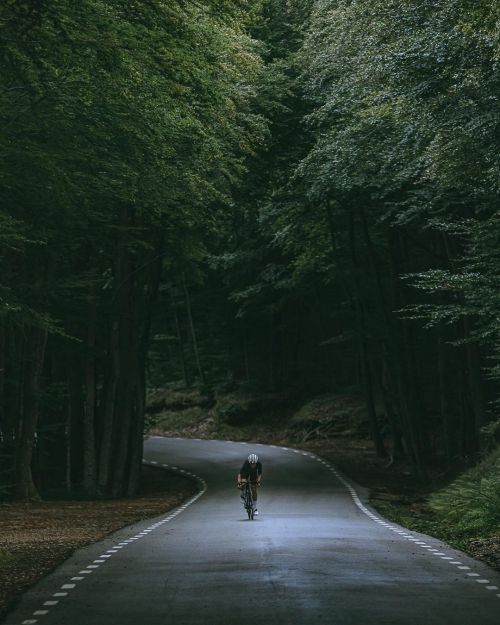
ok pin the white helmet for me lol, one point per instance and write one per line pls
(253, 458)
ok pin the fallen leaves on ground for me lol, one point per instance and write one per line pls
(36, 537)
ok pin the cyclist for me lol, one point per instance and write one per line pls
(251, 471)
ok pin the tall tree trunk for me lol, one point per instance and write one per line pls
(137, 436)
(108, 409)
(400, 371)
(36, 345)
(89, 437)
(129, 339)
(365, 366)
(152, 282)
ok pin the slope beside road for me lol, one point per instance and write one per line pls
(316, 554)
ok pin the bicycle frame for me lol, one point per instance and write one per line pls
(248, 499)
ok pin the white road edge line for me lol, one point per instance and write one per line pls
(409, 537)
(105, 556)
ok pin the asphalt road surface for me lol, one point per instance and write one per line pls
(316, 554)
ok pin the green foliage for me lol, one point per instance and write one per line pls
(176, 420)
(123, 128)
(472, 502)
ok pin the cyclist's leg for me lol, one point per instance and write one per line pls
(254, 492)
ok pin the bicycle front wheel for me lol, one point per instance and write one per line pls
(249, 503)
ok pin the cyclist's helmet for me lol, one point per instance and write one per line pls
(253, 458)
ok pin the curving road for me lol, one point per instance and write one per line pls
(316, 555)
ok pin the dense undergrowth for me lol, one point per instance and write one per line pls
(466, 513)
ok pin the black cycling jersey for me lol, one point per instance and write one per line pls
(251, 473)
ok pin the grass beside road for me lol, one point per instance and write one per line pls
(465, 514)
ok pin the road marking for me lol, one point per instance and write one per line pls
(357, 501)
(124, 543)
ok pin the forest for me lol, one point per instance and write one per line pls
(293, 195)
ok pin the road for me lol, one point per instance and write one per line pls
(317, 554)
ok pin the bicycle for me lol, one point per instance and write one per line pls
(247, 496)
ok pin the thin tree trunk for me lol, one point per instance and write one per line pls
(180, 342)
(193, 331)
(377, 437)
(444, 408)
(475, 384)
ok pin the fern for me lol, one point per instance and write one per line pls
(472, 501)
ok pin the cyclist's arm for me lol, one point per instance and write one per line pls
(240, 479)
